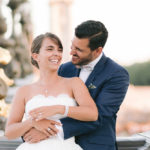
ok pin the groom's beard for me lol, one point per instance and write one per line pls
(76, 60)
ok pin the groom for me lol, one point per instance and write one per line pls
(107, 83)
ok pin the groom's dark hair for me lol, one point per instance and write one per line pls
(37, 43)
(95, 31)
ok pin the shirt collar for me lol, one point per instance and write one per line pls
(92, 64)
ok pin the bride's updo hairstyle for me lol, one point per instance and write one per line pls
(37, 43)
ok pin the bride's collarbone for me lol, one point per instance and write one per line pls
(54, 89)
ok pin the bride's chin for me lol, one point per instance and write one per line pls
(53, 68)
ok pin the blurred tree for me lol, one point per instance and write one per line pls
(139, 73)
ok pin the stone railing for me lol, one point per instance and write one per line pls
(9, 144)
(132, 143)
(140, 142)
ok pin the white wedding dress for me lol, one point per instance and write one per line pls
(56, 142)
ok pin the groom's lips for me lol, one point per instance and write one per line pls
(75, 57)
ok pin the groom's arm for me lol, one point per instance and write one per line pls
(72, 127)
(108, 101)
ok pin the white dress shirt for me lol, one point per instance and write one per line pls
(84, 74)
(87, 69)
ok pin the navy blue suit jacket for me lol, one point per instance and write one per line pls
(110, 82)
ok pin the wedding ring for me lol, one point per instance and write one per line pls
(40, 114)
(29, 138)
(48, 129)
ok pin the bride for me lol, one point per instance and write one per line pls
(51, 97)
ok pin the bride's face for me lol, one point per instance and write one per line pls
(50, 55)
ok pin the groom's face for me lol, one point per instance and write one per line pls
(80, 51)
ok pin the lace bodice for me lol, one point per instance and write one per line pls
(41, 100)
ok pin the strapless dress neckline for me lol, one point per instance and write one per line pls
(42, 100)
(50, 96)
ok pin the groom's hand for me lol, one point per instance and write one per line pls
(34, 136)
(46, 126)
(43, 129)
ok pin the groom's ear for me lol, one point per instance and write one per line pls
(98, 51)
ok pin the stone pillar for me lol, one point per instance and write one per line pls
(60, 23)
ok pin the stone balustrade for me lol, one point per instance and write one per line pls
(124, 143)
(9, 144)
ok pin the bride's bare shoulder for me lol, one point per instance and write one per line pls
(74, 81)
(25, 88)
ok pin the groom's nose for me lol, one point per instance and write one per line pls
(73, 51)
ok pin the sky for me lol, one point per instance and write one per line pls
(127, 22)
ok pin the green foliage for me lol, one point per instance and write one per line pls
(139, 73)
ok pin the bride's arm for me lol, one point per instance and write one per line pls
(85, 111)
(14, 127)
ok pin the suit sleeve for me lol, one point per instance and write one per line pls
(108, 100)
(113, 93)
(60, 70)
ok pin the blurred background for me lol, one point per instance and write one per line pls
(128, 44)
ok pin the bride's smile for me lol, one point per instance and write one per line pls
(54, 61)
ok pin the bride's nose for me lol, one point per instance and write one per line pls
(55, 53)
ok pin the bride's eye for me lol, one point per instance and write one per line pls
(60, 50)
(49, 49)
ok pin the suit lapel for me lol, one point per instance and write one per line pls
(97, 69)
(77, 72)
